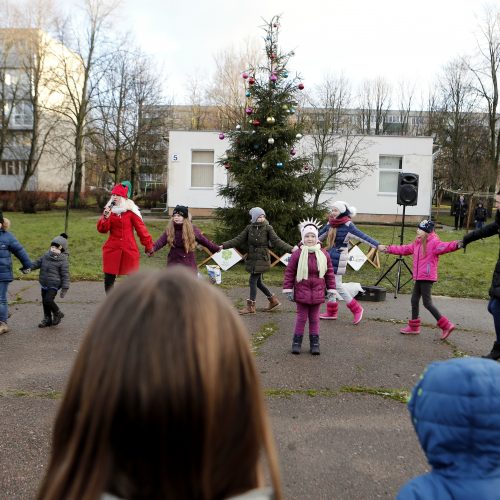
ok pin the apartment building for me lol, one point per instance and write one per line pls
(34, 100)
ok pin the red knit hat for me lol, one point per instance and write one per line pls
(120, 190)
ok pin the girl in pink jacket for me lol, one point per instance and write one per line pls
(426, 250)
(308, 278)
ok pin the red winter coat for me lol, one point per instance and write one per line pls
(120, 254)
(312, 290)
(425, 267)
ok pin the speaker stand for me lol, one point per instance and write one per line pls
(400, 263)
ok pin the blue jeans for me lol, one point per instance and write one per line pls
(494, 310)
(4, 311)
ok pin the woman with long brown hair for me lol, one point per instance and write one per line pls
(162, 403)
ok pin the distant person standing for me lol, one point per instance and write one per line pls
(460, 211)
(480, 215)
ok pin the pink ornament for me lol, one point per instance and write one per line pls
(301, 86)
(251, 80)
(256, 123)
(221, 136)
(273, 78)
(293, 151)
(249, 111)
(245, 75)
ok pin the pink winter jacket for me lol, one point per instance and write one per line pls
(312, 290)
(425, 266)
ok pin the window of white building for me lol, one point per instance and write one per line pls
(202, 169)
(22, 115)
(12, 167)
(389, 168)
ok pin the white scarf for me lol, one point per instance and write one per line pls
(124, 206)
(303, 265)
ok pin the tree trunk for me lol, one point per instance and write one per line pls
(78, 169)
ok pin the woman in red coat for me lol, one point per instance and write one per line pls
(120, 254)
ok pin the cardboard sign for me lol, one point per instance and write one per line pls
(356, 258)
(214, 274)
(227, 258)
(285, 258)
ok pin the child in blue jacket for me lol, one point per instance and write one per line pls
(337, 233)
(455, 410)
(8, 246)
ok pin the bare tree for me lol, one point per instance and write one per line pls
(461, 132)
(406, 94)
(485, 68)
(196, 92)
(28, 74)
(12, 88)
(227, 88)
(79, 82)
(373, 103)
(122, 133)
(338, 152)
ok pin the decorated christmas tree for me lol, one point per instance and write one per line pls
(263, 165)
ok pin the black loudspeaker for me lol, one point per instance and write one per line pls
(407, 189)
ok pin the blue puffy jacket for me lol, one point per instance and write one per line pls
(8, 246)
(455, 408)
(338, 252)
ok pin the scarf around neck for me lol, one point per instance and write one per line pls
(338, 221)
(127, 205)
(303, 265)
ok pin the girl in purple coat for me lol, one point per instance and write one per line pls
(308, 274)
(426, 250)
(182, 237)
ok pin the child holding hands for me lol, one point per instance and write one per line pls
(257, 236)
(182, 236)
(426, 250)
(308, 274)
(54, 276)
(8, 246)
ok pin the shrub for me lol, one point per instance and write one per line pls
(151, 199)
(101, 196)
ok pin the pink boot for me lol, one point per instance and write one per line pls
(413, 327)
(332, 309)
(357, 311)
(446, 327)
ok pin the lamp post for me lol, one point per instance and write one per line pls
(165, 141)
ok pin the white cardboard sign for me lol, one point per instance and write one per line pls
(285, 258)
(356, 258)
(227, 258)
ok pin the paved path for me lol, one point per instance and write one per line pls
(338, 437)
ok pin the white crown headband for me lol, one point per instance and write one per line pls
(309, 222)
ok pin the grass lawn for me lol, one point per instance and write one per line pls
(461, 275)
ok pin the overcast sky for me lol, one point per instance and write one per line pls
(398, 39)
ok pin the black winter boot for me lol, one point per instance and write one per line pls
(297, 344)
(314, 344)
(46, 321)
(58, 316)
(495, 352)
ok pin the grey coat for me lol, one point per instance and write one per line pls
(54, 270)
(256, 237)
